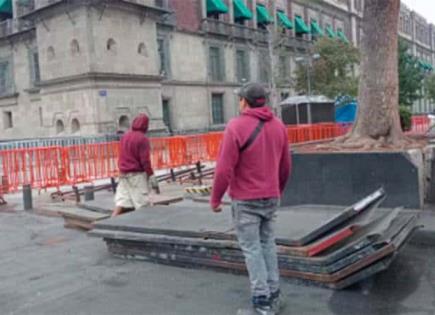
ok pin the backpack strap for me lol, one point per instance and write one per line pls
(252, 137)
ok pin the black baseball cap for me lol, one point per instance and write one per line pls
(255, 93)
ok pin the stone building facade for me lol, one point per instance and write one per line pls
(86, 67)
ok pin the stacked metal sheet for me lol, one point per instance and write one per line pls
(330, 247)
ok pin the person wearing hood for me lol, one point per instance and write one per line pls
(254, 163)
(135, 168)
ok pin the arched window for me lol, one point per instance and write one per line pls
(75, 125)
(60, 127)
(124, 122)
(142, 50)
(75, 47)
(111, 45)
(50, 53)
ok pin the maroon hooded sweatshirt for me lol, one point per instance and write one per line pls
(134, 156)
(262, 170)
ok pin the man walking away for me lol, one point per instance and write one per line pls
(254, 163)
(135, 168)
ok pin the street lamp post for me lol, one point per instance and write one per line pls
(308, 62)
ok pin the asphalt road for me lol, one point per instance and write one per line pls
(46, 269)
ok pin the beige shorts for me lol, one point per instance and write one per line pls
(132, 191)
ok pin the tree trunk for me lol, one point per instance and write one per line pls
(378, 121)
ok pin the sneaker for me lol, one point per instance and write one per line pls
(275, 301)
(262, 305)
(264, 310)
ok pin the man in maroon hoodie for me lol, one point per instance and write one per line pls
(135, 168)
(254, 163)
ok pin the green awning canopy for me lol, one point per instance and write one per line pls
(421, 63)
(301, 27)
(216, 6)
(263, 16)
(425, 65)
(342, 36)
(6, 6)
(315, 28)
(284, 20)
(330, 31)
(241, 11)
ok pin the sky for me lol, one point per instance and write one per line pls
(425, 8)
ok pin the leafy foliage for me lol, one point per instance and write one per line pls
(332, 74)
(410, 77)
(405, 117)
(430, 87)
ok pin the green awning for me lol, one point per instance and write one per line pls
(425, 65)
(315, 28)
(301, 27)
(241, 11)
(421, 63)
(342, 36)
(216, 6)
(263, 16)
(330, 31)
(6, 6)
(284, 20)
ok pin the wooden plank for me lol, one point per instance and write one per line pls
(82, 215)
(77, 224)
(306, 226)
(160, 254)
(106, 205)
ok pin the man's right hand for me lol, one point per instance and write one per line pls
(216, 208)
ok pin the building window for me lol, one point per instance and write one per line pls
(5, 77)
(163, 52)
(111, 45)
(242, 65)
(75, 48)
(284, 68)
(264, 67)
(7, 120)
(75, 125)
(166, 114)
(239, 21)
(213, 15)
(284, 95)
(60, 127)
(124, 122)
(161, 3)
(217, 109)
(34, 64)
(41, 118)
(142, 50)
(50, 53)
(216, 64)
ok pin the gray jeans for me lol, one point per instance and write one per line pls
(254, 223)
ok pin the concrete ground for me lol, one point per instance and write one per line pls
(46, 269)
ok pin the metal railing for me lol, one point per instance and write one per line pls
(12, 26)
(234, 30)
(55, 142)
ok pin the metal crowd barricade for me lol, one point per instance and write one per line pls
(70, 162)
(39, 167)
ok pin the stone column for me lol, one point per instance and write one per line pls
(15, 8)
(231, 10)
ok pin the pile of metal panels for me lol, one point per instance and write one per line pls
(333, 248)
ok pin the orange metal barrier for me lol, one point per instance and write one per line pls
(420, 124)
(39, 167)
(85, 163)
(56, 166)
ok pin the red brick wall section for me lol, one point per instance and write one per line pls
(188, 14)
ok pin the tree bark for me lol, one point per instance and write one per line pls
(378, 121)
